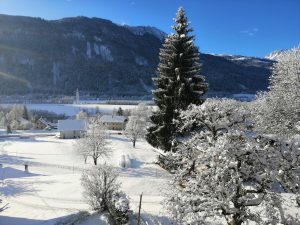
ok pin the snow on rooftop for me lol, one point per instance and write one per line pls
(112, 119)
(71, 125)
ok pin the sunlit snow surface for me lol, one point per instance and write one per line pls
(52, 187)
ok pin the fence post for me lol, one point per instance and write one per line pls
(140, 206)
(26, 168)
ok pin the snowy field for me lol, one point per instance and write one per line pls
(52, 189)
(73, 109)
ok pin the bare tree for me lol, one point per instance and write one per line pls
(100, 184)
(135, 129)
(3, 207)
(95, 143)
(137, 123)
(81, 148)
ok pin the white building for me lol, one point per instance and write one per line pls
(71, 128)
(114, 122)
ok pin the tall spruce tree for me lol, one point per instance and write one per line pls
(178, 84)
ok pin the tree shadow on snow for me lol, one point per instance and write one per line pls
(151, 220)
(28, 139)
(8, 172)
(15, 186)
(123, 139)
(79, 218)
(143, 172)
(7, 220)
(10, 159)
(135, 163)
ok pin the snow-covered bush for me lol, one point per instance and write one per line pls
(278, 111)
(125, 161)
(120, 209)
(100, 184)
(101, 190)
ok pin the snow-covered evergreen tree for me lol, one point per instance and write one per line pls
(178, 85)
(120, 112)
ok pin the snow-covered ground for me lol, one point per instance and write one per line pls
(73, 109)
(52, 187)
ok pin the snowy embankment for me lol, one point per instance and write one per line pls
(52, 189)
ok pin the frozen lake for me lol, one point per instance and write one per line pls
(73, 109)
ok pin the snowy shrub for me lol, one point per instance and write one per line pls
(122, 162)
(168, 162)
(100, 184)
(125, 161)
(119, 209)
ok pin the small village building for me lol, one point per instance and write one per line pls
(42, 123)
(71, 128)
(113, 122)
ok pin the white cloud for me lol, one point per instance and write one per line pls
(250, 32)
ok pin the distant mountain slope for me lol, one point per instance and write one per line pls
(102, 58)
(236, 74)
(274, 55)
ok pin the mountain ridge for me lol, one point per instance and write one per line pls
(101, 58)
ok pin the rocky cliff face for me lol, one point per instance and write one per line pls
(102, 58)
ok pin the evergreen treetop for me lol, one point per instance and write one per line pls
(178, 84)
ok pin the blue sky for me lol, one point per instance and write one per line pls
(245, 27)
